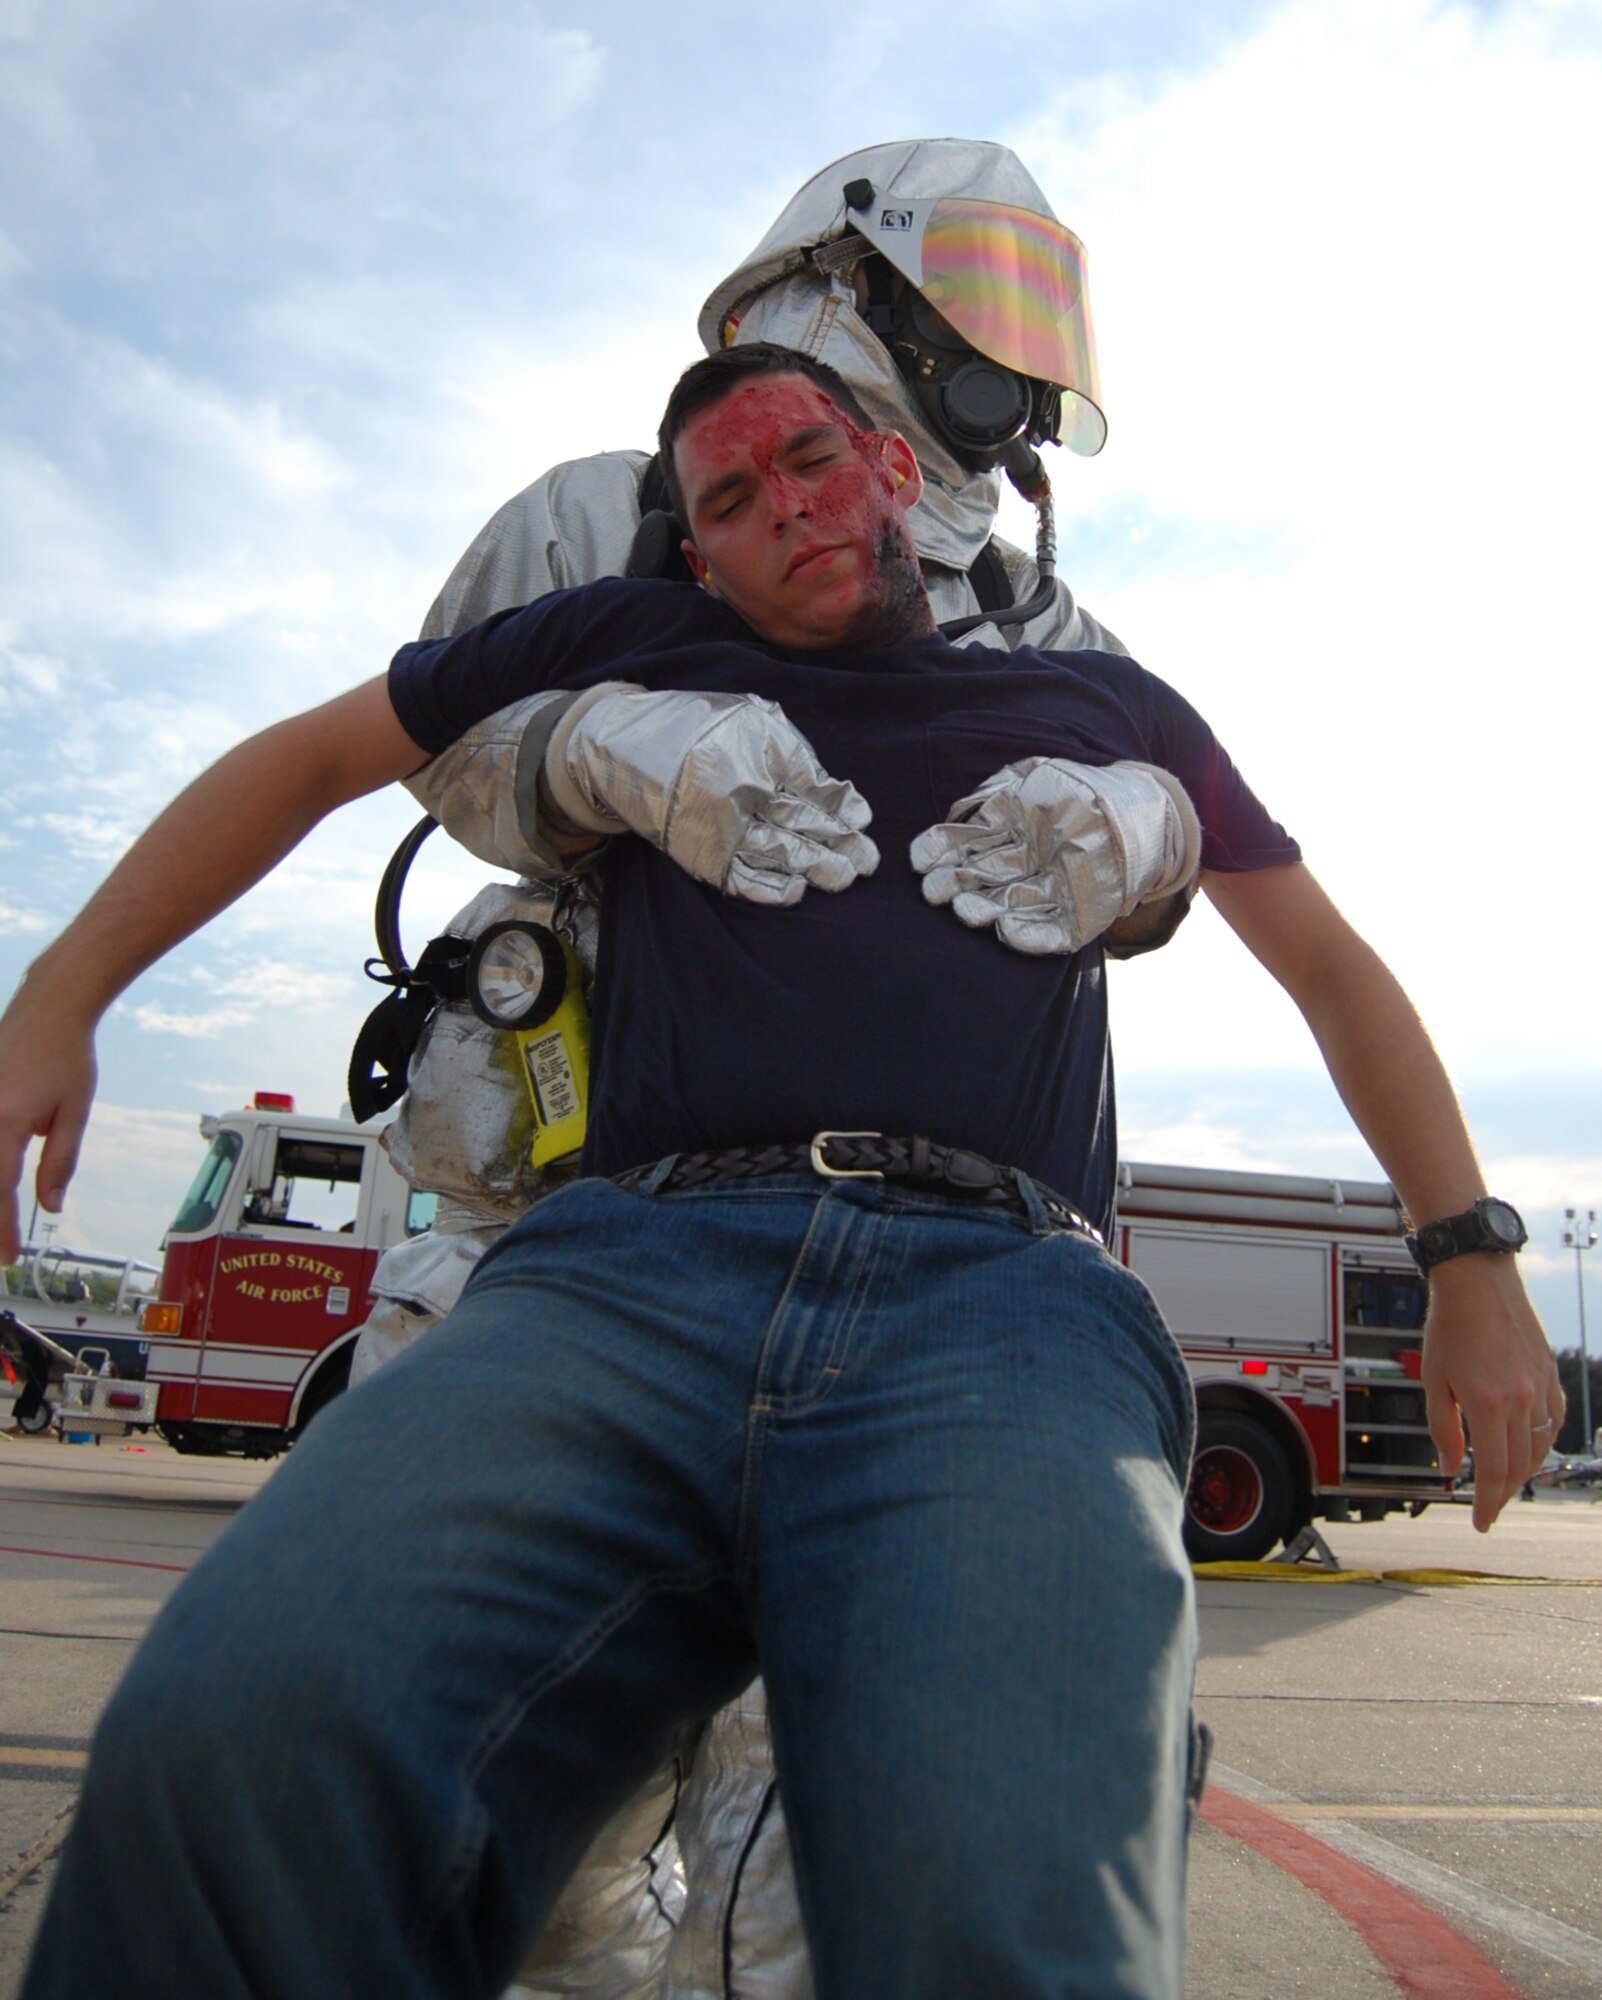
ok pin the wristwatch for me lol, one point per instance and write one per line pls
(1489, 1225)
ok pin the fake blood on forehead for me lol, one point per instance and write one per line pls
(761, 416)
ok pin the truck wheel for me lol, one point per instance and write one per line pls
(1241, 1501)
(195, 1440)
(223, 1440)
(332, 1380)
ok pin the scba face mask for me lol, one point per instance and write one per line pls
(981, 408)
(989, 322)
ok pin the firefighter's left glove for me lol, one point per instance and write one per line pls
(1054, 853)
(723, 784)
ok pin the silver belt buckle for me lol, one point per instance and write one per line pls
(821, 1166)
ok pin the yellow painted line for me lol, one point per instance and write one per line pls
(13, 1754)
(1547, 1815)
(1272, 1572)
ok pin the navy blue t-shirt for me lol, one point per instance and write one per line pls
(717, 1022)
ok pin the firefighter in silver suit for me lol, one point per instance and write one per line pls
(900, 267)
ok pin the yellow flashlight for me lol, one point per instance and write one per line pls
(523, 978)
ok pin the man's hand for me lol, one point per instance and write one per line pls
(723, 784)
(1486, 1359)
(1052, 853)
(47, 1082)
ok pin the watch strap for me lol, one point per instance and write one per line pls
(1456, 1235)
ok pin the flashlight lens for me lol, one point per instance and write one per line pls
(510, 975)
(516, 975)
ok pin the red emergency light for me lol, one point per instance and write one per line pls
(1254, 1367)
(272, 1100)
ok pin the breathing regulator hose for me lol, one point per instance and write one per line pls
(1024, 467)
(376, 1078)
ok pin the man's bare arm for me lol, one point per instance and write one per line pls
(217, 838)
(1485, 1355)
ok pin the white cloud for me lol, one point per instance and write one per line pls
(1223, 1139)
(55, 552)
(517, 406)
(28, 680)
(389, 114)
(1551, 1181)
(205, 1026)
(275, 983)
(247, 440)
(95, 837)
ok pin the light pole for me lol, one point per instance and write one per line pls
(1580, 1236)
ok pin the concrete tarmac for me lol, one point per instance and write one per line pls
(1407, 1785)
(1446, 1737)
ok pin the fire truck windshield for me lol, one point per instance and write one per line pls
(205, 1195)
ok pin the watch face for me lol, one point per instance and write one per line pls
(1502, 1223)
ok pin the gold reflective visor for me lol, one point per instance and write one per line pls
(1013, 284)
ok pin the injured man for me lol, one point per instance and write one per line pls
(821, 1369)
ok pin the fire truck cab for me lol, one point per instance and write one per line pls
(265, 1275)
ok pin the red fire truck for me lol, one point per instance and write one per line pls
(1301, 1318)
(1297, 1307)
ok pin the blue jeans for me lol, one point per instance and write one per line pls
(920, 1463)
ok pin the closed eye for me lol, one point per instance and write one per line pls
(814, 449)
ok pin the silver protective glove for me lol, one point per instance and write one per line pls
(1052, 853)
(723, 784)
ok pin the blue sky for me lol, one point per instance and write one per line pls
(292, 296)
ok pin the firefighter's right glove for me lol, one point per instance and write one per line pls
(1054, 853)
(723, 784)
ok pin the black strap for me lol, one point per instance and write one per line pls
(988, 575)
(879, 313)
(381, 1059)
(382, 1056)
(654, 486)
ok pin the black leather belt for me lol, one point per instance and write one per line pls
(915, 1163)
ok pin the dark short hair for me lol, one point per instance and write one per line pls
(709, 380)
